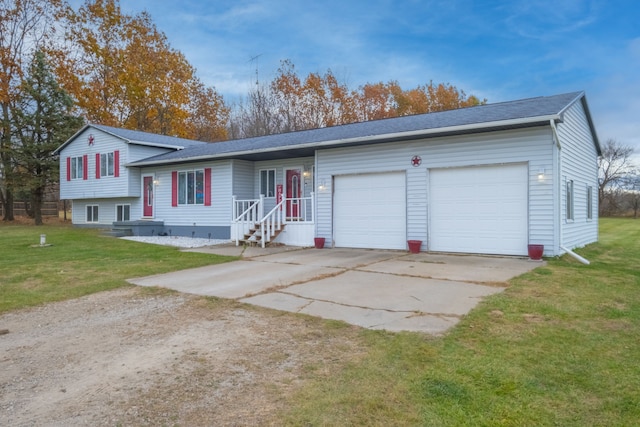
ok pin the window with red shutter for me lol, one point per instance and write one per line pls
(207, 187)
(174, 188)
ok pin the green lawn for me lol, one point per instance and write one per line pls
(78, 262)
(561, 345)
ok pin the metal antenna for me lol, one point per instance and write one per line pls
(255, 58)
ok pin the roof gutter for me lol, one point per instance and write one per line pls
(366, 138)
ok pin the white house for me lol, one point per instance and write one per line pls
(489, 179)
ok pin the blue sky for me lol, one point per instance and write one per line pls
(499, 50)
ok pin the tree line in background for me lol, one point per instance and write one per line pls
(292, 103)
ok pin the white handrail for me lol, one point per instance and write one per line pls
(249, 216)
(300, 209)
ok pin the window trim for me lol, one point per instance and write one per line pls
(106, 160)
(589, 202)
(77, 167)
(95, 214)
(570, 211)
(194, 196)
(270, 185)
(123, 206)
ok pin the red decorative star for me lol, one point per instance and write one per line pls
(91, 139)
(416, 161)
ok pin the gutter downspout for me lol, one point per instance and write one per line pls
(575, 255)
(556, 140)
(557, 143)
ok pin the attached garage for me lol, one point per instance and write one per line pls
(370, 211)
(479, 209)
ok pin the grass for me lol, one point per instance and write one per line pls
(78, 262)
(561, 346)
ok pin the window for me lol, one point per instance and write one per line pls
(589, 202)
(268, 182)
(92, 213)
(123, 212)
(569, 200)
(106, 164)
(191, 187)
(77, 168)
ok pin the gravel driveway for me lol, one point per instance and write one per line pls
(135, 356)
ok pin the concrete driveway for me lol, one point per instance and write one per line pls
(375, 289)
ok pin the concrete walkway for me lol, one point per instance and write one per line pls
(375, 289)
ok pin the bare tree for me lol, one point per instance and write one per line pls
(631, 187)
(614, 165)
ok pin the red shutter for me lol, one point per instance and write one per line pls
(68, 168)
(207, 187)
(174, 188)
(97, 165)
(85, 167)
(116, 163)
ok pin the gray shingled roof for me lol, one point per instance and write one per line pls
(134, 136)
(525, 112)
(138, 137)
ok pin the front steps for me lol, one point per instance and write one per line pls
(254, 236)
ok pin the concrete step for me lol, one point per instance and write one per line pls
(118, 232)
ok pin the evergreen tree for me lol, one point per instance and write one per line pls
(42, 122)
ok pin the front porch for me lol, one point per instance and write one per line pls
(291, 221)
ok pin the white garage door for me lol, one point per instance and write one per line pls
(370, 211)
(479, 210)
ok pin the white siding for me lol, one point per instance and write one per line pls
(106, 210)
(126, 185)
(218, 214)
(579, 164)
(243, 179)
(532, 146)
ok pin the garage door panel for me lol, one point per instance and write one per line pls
(479, 209)
(370, 211)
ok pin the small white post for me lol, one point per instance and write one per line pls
(261, 207)
(43, 239)
(234, 211)
(313, 206)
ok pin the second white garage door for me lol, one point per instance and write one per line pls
(370, 211)
(479, 209)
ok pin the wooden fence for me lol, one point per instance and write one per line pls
(48, 208)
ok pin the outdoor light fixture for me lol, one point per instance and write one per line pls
(322, 185)
(541, 174)
(306, 174)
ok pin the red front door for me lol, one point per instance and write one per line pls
(147, 210)
(294, 192)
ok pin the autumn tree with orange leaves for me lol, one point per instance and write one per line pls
(291, 103)
(122, 72)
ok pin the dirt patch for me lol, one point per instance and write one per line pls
(143, 357)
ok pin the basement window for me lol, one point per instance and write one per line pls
(123, 212)
(92, 213)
